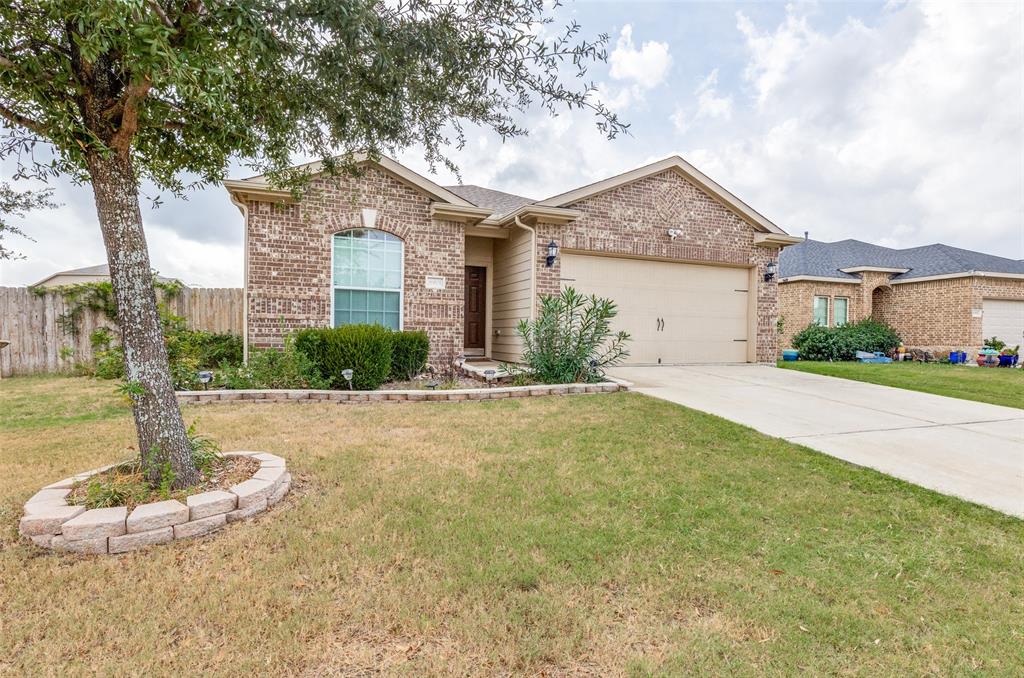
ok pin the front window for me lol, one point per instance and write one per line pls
(367, 278)
(821, 311)
(840, 311)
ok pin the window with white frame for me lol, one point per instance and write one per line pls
(821, 311)
(367, 278)
(840, 311)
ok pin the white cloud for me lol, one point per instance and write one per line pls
(710, 104)
(904, 133)
(647, 67)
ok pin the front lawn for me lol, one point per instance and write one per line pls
(999, 386)
(585, 535)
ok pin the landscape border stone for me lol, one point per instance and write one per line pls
(413, 395)
(50, 522)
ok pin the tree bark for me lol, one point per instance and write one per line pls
(161, 430)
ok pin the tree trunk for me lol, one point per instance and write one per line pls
(162, 437)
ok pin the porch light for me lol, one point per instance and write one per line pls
(347, 376)
(769, 271)
(552, 253)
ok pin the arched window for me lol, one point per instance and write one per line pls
(367, 278)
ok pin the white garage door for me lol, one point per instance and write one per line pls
(676, 313)
(1003, 319)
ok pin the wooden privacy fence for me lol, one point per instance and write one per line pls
(38, 343)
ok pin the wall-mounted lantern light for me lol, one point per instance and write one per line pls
(769, 271)
(552, 253)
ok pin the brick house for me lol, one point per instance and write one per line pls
(937, 297)
(684, 259)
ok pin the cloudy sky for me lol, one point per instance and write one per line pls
(897, 123)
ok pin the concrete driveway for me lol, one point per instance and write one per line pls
(958, 447)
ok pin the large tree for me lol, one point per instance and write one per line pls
(170, 91)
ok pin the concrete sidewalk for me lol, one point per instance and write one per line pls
(959, 447)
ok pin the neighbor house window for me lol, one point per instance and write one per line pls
(840, 311)
(821, 311)
(367, 278)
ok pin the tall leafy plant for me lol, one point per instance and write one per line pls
(571, 340)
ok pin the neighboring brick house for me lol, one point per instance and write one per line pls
(684, 259)
(938, 298)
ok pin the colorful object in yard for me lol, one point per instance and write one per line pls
(958, 357)
(790, 354)
(901, 352)
(876, 357)
(1007, 360)
(988, 357)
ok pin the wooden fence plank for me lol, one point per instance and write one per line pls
(31, 323)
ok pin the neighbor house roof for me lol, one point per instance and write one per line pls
(843, 260)
(98, 271)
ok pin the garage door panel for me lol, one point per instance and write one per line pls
(1003, 319)
(703, 308)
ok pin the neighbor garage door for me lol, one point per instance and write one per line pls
(1003, 319)
(676, 313)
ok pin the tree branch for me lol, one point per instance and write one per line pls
(134, 95)
(23, 121)
(155, 6)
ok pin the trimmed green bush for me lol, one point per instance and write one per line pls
(842, 343)
(364, 349)
(409, 357)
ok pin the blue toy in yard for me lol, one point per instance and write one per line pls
(876, 357)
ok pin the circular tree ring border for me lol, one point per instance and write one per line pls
(52, 523)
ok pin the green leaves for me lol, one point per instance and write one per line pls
(187, 87)
(572, 341)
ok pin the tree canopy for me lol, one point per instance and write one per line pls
(185, 86)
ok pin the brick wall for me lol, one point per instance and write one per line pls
(289, 250)
(634, 220)
(934, 315)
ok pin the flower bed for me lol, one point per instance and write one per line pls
(51, 522)
(453, 395)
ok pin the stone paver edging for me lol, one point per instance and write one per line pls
(453, 395)
(52, 523)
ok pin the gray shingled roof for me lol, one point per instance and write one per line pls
(825, 259)
(499, 201)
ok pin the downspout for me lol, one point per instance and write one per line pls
(244, 209)
(533, 268)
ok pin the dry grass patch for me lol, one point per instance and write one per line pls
(587, 535)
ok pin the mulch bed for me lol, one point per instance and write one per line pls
(125, 485)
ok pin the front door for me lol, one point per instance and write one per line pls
(476, 313)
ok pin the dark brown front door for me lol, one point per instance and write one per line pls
(476, 313)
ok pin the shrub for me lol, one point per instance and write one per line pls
(273, 368)
(110, 363)
(571, 340)
(409, 356)
(364, 349)
(842, 343)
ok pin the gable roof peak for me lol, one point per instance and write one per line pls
(672, 162)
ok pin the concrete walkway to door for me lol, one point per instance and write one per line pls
(958, 447)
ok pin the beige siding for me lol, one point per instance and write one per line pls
(513, 293)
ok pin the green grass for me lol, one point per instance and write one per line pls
(999, 386)
(599, 535)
